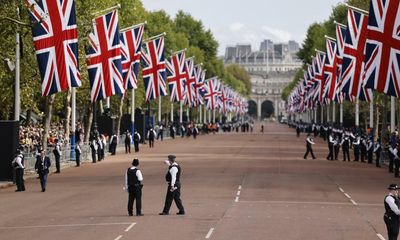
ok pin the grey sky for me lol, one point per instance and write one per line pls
(251, 21)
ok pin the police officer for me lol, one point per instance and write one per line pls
(174, 186)
(133, 185)
(377, 151)
(331, 142)
(57, 155)
(136, 140)
(356, 147)
(309, 143)
(42, 166)
(151, 134)
(345, 146)
(78, 152)
(128, 140)
(18, 164)
(370, 150)
(392, 212)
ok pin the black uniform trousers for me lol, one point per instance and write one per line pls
(57, 160)
(378, 158)
(136, 143)
(336, 148)
(151, 142)
(128, 147)
(309, 150)
(392, 225)
(396, 167)
(135, 192)
(356, 153)
(175, 196)
(78, 158)
(346, 153)
(391, 162)
(330, 155)
(370, 156)
(19, 179)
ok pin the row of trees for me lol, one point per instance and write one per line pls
(183, 31)
(315, 40)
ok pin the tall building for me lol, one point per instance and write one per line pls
(266, 45)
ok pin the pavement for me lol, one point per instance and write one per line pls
(234, 186)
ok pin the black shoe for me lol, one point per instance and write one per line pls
(130, 214)
(44, 190)
(139, 214)
(163, 213)
(18, 190)
(180, 213)
(57, 172)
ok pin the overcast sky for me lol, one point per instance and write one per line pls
(251, 21)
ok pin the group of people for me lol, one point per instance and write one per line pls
(134, 185)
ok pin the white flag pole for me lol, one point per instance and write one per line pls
(172, 112)
(341, 114)
(159, 109)
(392, 113)
(333, 112)
(133, 111)
(180, 112)
(200, 114)
(371, 113)
(357, 112)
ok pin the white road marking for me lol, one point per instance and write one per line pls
(380, 236)
(130, 226)
(354, 202)
(119, 237)
(341, 190)
(209, 233)
(237, 199)
(347, 195)
(240, 187)
(238, 193)
(69, 225)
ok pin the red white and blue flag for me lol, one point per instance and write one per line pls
(176, 76)
(330, 69)
(318, 69)
(353, 56)
(189, 95)
(223, 99)
(103, 56)
(55, 38)
(154, 74)
(131, 42)
(382, 60)
(211, 93)
(199, 75)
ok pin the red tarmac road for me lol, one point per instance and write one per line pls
(234, 186)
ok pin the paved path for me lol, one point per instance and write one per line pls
(235, 186)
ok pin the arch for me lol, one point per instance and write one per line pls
(267, 109)
(252, 108)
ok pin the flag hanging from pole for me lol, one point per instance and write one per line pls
(176, 76)
(131, 42)
(55, 37)
(330, 69)
(211, 91)
(199, 75)
(382, 60)
(189, 94)
(103, 56)
(353, 56)
(154, 74)
(318, 69)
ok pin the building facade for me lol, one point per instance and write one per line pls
(271, 69)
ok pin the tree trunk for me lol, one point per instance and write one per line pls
(68, 110)
(28, 117)
(47, 121)
(88, 122)
(121, 104)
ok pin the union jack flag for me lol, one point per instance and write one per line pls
(223, 99)
(382, 60)
(189, 96)
(103, 56)
(211, 92)
(131, 42)
(318, 70)
(353, 56)
(199, 75)
(330, 69)
(154, 68)
(55, 38)
(176, 76)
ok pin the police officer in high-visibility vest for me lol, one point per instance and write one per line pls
(133, 185)
(392, 212)
(174, 186)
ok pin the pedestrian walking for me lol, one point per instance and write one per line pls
(309, 143)
(172, 131)
(160, 133)
(100, 148)
(78, 152)
(113, 144)
(151, 134)
(128, 140)
(392, 212)
(377, 151)
(57, 155)
(134, 185)
(336, 147)
(42, 166)
(136, 140)
(173, 177)
(93, 148)
(18, 165)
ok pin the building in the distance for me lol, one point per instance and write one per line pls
(271, 68)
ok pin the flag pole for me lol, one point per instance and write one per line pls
(205, 114)
(172, 112)
(371, 113)
(322, 114)
(392, 113)
(134, 26)
(118, 6)
(341, 114)
(327, 113)
(214, 115)
(357, 112)
(180, 112)
(159, 110)
(200, 113)
(188, 114)
(357, 9)
(17, 98)
(154, 37)
(333, 112)
(73, 122)
(133, 111)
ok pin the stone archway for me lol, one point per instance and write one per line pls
(252, 108)
(267, 109)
